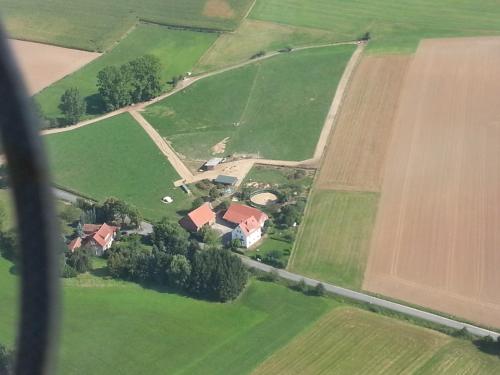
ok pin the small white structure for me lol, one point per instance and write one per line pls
(212, 163)
(167, 199)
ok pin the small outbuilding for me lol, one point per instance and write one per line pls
(197, 219)
(212, 163)
(226, 180)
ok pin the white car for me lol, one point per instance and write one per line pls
(167, 199)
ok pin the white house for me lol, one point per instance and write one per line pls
(249, 222)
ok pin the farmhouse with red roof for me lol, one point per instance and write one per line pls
(196, 219)
(249, 222)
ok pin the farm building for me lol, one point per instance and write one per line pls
(226, 180)
(75, 244)
(249, 222)
(197, 219)
(212, 163)
(99, 237)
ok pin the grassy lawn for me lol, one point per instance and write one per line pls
(115, 157)
(178, 51)
(352, 341)
(96, 25)
(142, 331)
(253, 36)
(271, 243)
(334, 237)
(269, 175)
(273, 109)
(396, 26)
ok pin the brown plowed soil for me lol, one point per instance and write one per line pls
(436, 241)
(357, 150)
(42, 64)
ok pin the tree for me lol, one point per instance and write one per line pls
(209, 236)
(301, 286)
(114, 210)
(170, 237)
(197, 203)
(72, 105)
(146, 78)
(217, 274)
(6, 361)
(179, 271)
(319, 289)
(80, 260)
(274, 258)
(9, 246)
(114, 85)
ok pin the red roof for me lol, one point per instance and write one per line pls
(101, 234)
(202, 215)
(90, 228)
(237, 213)
(249, 225)
(75, 244)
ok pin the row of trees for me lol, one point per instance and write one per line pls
(111, 211)
(174, 261)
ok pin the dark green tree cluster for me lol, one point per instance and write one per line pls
(72, 105)
(176, 262)
(111, 211)
(290, 214)
(6, 361)
(136, 81)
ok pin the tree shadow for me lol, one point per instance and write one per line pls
(95, 105)
(488, 346)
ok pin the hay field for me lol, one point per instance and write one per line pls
(42, 64)
(351, 341)
(96, 25)
(436, 240)
(356, 153)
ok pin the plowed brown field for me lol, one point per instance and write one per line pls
(357, 150)
(437, 235)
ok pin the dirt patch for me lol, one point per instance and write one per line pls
(42, 64)
(264, 199)
(218, 9)
(357, 150)
(220, 147)
(436, 240)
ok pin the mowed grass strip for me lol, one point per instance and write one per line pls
(115, 157)
(98, 24)
(353, 341)
(143, 331)
(273, 109)
(334, 237)
(177, 50)
(253, 36)
(396, 26)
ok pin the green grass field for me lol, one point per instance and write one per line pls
(334, 237)
(178, 51)
(115, 157)
(352, 341)
(253, 36)
(396, 26)
(276, 176)
(121, 328)
(273, 109)
(96, 25)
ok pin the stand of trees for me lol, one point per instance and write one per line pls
(72, 105)
(136, 81)
(111, 211)
(214, 274)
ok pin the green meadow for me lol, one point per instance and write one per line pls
(334, 238)
(272, 109)
(395, 26)
(177, 50)
(115, 157)
(96, 25)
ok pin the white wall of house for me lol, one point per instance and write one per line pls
(246, 241)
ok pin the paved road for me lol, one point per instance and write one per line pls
(146, 227)
(361, 297)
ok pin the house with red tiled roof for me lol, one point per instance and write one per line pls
(75, 244)
(197, 219)
(100, 237)
(249, 222)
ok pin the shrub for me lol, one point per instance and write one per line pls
(319, 290)
(301, 286)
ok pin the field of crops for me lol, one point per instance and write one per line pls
(396, 26)
(273, 109)
(177, 50)
(334, 238)
(351, 341)
(97, 25)
(144, 331)
(115, 157)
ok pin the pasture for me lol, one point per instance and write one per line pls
(356, 153)
(97, 25)
(395, 26)
(272, 109)
(177, 50)
(334, 237)
(145, 331)
(352, 341)
(253, 36)
(42, 64)
(115, 157)
(436, 237)
(276, 176)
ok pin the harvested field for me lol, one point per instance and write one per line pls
(42, 64)
(357, 150)
(436, 241)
